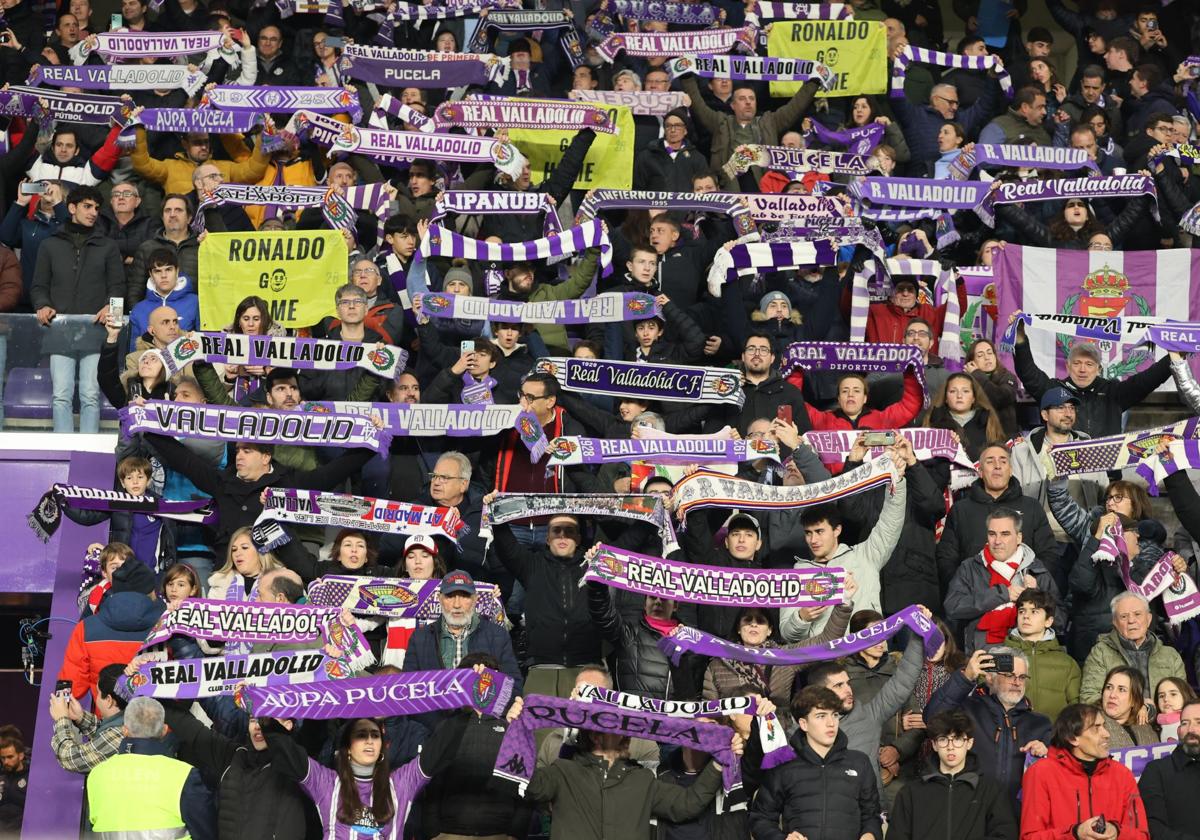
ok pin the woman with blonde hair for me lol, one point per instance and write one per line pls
(963, 407)
(238, 579)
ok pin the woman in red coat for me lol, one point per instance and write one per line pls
(852, 412)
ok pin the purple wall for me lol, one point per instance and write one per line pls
(55, 797)
(28, 562)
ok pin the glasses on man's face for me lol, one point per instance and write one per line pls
(676, 126)
(365, 272)
(918, 334)
(124, 194)
(434, 477)
(569, 532)
(758, 351)
(352, 303)
(944, 741)
(953, 103)
(528, 397)
(1100, 246)
(1017, 678)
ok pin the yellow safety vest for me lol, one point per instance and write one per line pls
(137, 796)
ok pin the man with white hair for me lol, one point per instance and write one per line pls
(142, 765)
(1130, 643)
(1006, 726)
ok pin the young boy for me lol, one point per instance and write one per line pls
(143, 532)
(974, 807)
(112, 556)
(165, 287)
(827, 785)
(1054, 675)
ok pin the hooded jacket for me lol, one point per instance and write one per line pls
(113, 635)
(832, 797)
(182, 299)
(1102, 403)
(999, 733)
(1059, 795)
(965, 806)
(187, 252)
(1053, 674)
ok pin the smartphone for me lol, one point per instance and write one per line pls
(235, 34)
(1100, 826)
(116, 311)
(1194, 71)
(467, 346)
(33, 188)
(784, 413)
(4, 38)
(1151, 25)
(1002, 663)
(62, 688)
(334, 43)
(115, 22)
(879, 438)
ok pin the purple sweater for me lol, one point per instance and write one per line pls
(323, 787)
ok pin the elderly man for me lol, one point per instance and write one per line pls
(231, 217)
(161, 807)
(1129, 643)
(559, 628)
(280, 586)
(450, 486)
(460, 630)
(922, 123)
(965, 532)
(177, 235)
(383, 315)
(274, 66)
(1102, 401)
(1006, 727)
(985, 588)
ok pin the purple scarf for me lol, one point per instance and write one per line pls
(421, 68)
(511, 112)
(47, 516)
(1023, 157)
(859, 140)
(864, 358)
(659, 44)
(611, 307)
(285, 99)
(673, 383)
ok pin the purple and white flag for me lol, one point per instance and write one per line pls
(141, 44)
(654, 103)
(393, 147)
(569, 450)
(518, 751)
(334, 207)
(497, 202)
(833, 447)
(197, 679)
(260, 425)
(271, 99)
(1100, 285)
(751, 68)
(421, 68)
(395, 598)
(284, 351)
(671, 383)
(611, 307)
(1020, 157)
(659, 44)
(859, 140)
(87, 108)
(920, 55)
(386, 695)
(440, 242)
(513, 112)
(776, 10)
(787, 159)
(684, 639)
(691, 583)
(759, 257)
(705, 489)
(108, 77)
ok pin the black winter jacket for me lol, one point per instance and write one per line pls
(1102, 403)
(762, 400)
(967, 806)
(641, 667)
(559, 627)
(77, 279)
(999, 734)
(833, 798)
(965, 533)
(1168, 786)
(252, 799)
(657, 170)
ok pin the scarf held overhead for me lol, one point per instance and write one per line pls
(284, 351)
(319, 507)
(611, 307)
(649, 509)
(397, 597)
(47, 516)
(569, 450)
(673, 383)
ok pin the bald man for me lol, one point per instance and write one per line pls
(162, 329)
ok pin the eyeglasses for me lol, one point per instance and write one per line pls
(527, 397)
(953, 103)
(569, 532)
(758, 351)
(439, 477)
(124, 194)
(365, 272)
(1020, 678)
(352, 302)
(918, 334)
(669, 126)
(1117, 497)
(944, 741)
(1099, 246)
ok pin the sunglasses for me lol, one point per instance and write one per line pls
(569, 532)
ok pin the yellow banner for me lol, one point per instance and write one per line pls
(295, 272)
(855, 50)
(609, 162)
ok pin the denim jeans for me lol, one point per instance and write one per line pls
(64, 371)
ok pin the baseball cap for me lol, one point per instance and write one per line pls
(1058, 396)
(421, 541)
(737, 519)
(458, 582)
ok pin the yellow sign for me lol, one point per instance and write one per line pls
(296, 272)
(855, 50)
(609, 162)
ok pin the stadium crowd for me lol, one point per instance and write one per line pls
(744, 450)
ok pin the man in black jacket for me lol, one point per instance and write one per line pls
(1169, 785)
(828, 791)
(78, 272)
(765, 391)
(561, 637)
(1102, 401)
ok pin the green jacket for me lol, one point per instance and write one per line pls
(1053, 675)
(1108, 654)
(555, 335)
(595, 802)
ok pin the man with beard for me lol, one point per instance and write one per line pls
(1006, 727)
(765, 391)
(1169, 785)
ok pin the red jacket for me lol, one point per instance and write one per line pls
(887, 322)
(894, 416)
(113, 635)
(1058, 795)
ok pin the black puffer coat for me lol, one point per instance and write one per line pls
(833, 798)
(762, 400)
(967, 806)
(641, 668)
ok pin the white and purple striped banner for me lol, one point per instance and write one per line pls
(439, 242)
(920, 55)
